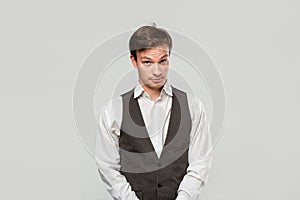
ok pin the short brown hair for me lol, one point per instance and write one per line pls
(149, 37)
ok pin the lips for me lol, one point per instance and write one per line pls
(156, 80)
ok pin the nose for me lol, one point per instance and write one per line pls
(156, 70)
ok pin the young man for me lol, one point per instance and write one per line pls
(153, 141)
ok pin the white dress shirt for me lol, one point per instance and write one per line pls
(107, 147)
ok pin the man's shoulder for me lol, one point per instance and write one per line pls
(127, 92)
(175, 89)
(112, 105)
(193, 101)
(190, 96)
(118, 98)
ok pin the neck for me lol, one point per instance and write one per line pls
(154, 93)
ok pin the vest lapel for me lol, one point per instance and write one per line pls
(137, 117)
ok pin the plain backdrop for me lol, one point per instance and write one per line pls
(255, 45)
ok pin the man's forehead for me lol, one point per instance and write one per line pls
(160, 51)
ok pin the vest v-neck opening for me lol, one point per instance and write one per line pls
(174, 122)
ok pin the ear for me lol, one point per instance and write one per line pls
(133, 61)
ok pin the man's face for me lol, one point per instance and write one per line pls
(152, 65)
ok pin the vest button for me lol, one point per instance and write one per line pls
(159, 185)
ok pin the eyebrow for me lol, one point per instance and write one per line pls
(146, 57)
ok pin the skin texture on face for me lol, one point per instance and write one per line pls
(152, 65)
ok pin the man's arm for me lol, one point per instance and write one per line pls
(199, 154)
(107, 155)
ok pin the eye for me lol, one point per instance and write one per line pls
(146, 63)
(164, 62)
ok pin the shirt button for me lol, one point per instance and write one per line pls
(159, 185)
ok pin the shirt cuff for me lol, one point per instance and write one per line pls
(182, 195)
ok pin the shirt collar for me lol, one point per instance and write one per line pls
(138, 90)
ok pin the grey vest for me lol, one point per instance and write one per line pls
(150, 177)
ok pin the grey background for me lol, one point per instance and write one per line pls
(255, 45)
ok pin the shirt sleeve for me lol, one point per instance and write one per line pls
(199, 154)
(107, 155)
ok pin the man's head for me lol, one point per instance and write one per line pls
(147, 37)
(150, 49)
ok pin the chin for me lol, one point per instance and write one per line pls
(157, 86)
